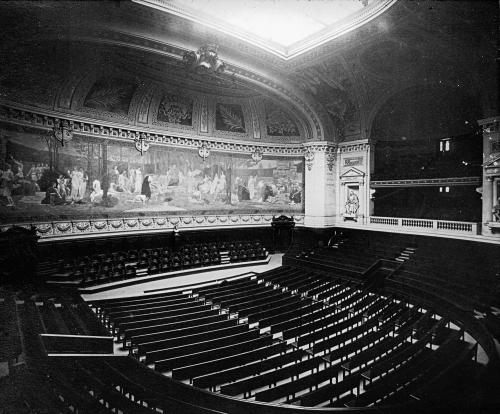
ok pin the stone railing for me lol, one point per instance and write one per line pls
(425, 225)
(54, 230)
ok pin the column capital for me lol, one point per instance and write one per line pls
(320, 146)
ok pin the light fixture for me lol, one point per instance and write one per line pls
(257, 156)
(203, 151)
(205, 60)
(63, 131)
(141, 143)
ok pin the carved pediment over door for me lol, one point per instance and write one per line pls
(352, 175)
(492, 165)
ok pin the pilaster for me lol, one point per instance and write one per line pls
(491, 175)
(320, 184)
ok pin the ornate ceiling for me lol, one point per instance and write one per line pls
(286, 28)
(332, 91)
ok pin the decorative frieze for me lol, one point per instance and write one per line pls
(355, 146)
(85, 228)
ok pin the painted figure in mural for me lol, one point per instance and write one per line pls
(352, 204)
(6, 183)
(19, 167)
(138, 180)
(96, 190)
(83, 184)
(190, 181)
(61, 185)
(268, 192)
(221, 186)
(131, 180)
(146, 187)
(53, 196)
(252, 180)
(33, 173)
(204, 189)
(242, 190)
(213, 187)
(173, 175)
(295, 194)
(76, 177)
(115, 174)
(123, 182)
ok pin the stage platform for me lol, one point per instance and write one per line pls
(176, 280)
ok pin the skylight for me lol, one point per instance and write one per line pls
(283, 27)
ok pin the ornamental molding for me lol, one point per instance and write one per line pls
(355, 146)
(105, 130)
(325, 147)
(100, 227)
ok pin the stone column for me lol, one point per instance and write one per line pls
(491, 170)
(487, 199)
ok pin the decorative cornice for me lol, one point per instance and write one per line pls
(54, 230)
(100, 129)
(354, 146)
(326, 147)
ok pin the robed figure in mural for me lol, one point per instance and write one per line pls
(146, 187)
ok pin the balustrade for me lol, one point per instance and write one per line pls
(437, 226)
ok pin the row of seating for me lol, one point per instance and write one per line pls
(10, 344)
(121, 265)
(334, 339)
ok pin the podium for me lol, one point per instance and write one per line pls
(283, 229)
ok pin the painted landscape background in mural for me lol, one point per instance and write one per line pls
(42, 180)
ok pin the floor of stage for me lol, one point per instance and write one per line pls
(146, 287)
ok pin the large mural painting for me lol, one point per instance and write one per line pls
(42, 180)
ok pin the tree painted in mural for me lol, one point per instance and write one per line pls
(40, 180)
(176, 109)
(278, 122)
(110, 95)
(229, 117)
